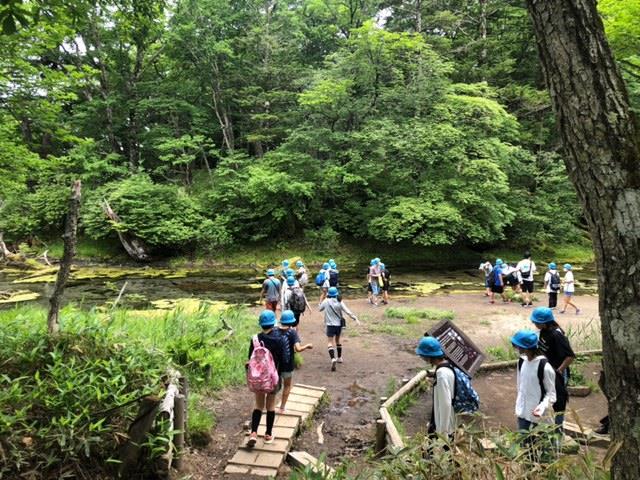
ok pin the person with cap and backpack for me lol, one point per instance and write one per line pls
(535, 381)
(487, 269)
(385, 276)
(287, 322)
(334, 310)
(569, 288)
(268, 354)
(555, 346)
(552, 284)
(496, 282)
(334, 274)
(373, 279)
(294, 299)
(283, 272)
(527, 268)
(322, 280)
(452, 390)
(271, 291)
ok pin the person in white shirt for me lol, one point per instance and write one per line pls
(569, 288)
(535, 380)
(527, 268)
(301, 275)
(443, 420)
(486, 268)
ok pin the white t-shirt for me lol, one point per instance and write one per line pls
(443, 413)
(569, 286)
(526, 263)
(529, 392)
(547, 281)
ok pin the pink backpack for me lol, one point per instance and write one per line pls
(262, 376)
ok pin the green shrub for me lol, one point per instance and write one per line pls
(66, 401)
(414, 315)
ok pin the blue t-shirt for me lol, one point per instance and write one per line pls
(292, 338)
(272, 285)
(497, 275)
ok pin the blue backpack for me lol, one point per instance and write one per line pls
(320, 278)
(465, 398)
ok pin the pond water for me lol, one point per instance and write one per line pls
(92, 285)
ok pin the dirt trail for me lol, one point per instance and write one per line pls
(375, 362)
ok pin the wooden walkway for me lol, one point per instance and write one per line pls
(265, 460)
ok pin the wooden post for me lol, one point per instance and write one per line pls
(4, 251)
(70, 239)
(179, 423)
(130, 451)
(381, 437)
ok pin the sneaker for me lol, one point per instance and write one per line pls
(253, 438)
(340, 360)
(268, 439)
(333, 365)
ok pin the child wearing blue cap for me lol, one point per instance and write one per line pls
(535, 381)
(287, 322)
(271, 291)
(569, 288)
(443, 420)
(333, 309)
(277, 345)
(552, 284)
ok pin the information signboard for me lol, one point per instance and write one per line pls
(457, 346)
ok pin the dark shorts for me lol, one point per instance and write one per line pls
(271, 305)
(497, 289)
(527, 286)
(385, 287)
(333, 330)
(512, 280)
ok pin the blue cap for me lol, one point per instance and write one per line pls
(542, 315)
(285, 263)
(270, 272)
(552, 266)
(267, 319)
(291, 280)
(331, 260)
(333, 292)
(287, 318)
(299, 264)
(289, 272)
(429, 347)
(325, 266)
(499, 261)
(373, 262)
(332, 264)
(567, 266)
(525, 339)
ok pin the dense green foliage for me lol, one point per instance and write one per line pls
(206, 123)
(66, 401)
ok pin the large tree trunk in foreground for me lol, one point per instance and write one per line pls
(70, 239)
(603, 160)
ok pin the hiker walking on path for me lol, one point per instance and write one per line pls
(294, 299)
(271, 291)
(266, 373)
(334, 274)
(552, 285)
(302, 275)
(535, 381)
(322, 280)
(569, 288)
(334, 310)
(496, 282)
(287, 321)
(487, 269)
(283, 271)
(527, 268)
(443, 420)
(512, 277)
(385, 275)
(555, 346)
(373, 279)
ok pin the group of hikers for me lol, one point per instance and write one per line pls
(543, 367)
(541, 378)
(520, 277)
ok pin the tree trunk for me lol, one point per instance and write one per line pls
(134, 246)
(4, 251)
(70, 238)
(601, 140)
(483, 35)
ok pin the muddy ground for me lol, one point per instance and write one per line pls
(375, 364)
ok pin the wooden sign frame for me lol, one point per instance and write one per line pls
(457, 346)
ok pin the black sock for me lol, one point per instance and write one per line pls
(339, 351)
(331, 353)
(271, 417)
(255, 419)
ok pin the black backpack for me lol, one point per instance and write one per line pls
(333, 278)
(491, 279)
(297, 302)
(554, 282)
(541, 365)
